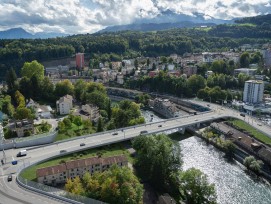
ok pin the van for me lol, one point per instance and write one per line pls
(22, 153)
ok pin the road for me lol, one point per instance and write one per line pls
(10, 191)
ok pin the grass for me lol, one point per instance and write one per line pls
(254, 132)
(106, 151)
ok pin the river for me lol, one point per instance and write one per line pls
(232, 184)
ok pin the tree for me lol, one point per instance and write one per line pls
(195, 83)
(229, 148)
(23, 113)
(20, 100)
(136, 63)
(153, 67)
(118, 185)
(11, 79)
(78, 121)
(67, 122)
(100, 125)
(33, 69)
(158, 157)
(109, 110)
(64, 87)
(195, 187)
(7, 107)
(244, 60)
(253, 165)
(47, 89)
(26, 88)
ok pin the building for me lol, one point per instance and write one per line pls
(164, 107)
(190, 70)
(91, 112)
(253, 91)
(247, 71)
(43, 111)
(267, 57)
(58, 174)
(80, 61)
(64, 105)
(22, 127)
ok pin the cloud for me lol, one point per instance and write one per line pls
(82, 16)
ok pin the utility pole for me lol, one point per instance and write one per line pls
(2, 142)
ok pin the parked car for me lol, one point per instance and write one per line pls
(82, 144)
(9, 177)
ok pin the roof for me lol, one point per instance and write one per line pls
(65, 98)
(51, 170)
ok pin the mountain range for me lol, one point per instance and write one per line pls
(18, 33)
(168, 20)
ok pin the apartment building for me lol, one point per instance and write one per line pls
(253, 91)
(64, 104)
(58, 174)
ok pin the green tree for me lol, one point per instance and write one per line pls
(33, 68)
(136, 63)
(7, 107)
(100, 125)
(67, 122)
(11, 79)
(244, 60)
(109, 110)
(158, 157)
(253, 165)
(195, 187)
(26, 88)
(47, 89)
(64, 87)
(195, 83)
(78, 121)
(20, 100)
(229, 148)
(23, 113)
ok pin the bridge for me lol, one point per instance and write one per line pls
(12, 193)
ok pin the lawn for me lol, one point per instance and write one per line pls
(106, 151)
(74, 131)
(257, 134)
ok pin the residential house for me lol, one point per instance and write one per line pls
(58, 174)
(120, 78)
(43, 111)
(64, 105)
(190, 70)
(91, 112)
(22, 127)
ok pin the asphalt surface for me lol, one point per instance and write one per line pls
(11, 193)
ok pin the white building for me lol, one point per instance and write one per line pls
(253, 91)
(64, 105)
(247, 71)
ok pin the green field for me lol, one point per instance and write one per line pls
(106, 151)
(257, 134)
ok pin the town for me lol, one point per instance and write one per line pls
(179, 115)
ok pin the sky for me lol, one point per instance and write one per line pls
(88, 16)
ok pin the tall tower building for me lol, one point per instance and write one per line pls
(80, 60)
(253, 91)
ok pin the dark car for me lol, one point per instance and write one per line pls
(143, 132)
(82, 144)
(9, 177)
(115, 133)
(63, 151)
(159, 125)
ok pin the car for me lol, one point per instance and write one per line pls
(196, 119)
(259, 124)
(143, 132)
(159, 125)
(115, 133)
(9, 177)
(208, 105)
(82, 144)
(63, 151)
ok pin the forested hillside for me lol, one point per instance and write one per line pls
(13, 53)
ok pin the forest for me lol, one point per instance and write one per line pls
(130, 44)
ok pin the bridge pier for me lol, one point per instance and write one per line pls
(181, 130)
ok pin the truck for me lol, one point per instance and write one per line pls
(22, 153)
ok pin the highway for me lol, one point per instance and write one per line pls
(12, 193)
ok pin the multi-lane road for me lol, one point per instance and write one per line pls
(11, 193)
